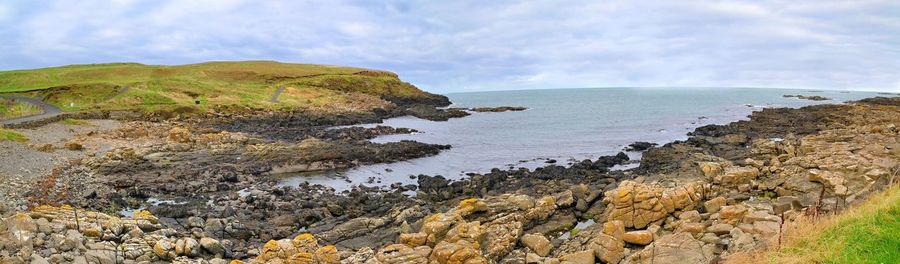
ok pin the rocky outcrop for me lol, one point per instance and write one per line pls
(638, 205)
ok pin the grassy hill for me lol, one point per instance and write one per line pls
(119, 86)
(869, 233)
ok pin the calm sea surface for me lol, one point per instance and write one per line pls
(561, 124)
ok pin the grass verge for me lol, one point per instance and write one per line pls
(867, 233)
(10, 135)
(11, 109)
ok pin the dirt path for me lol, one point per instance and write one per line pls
(277, 93)
(48, 110)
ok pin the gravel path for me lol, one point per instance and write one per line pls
(49, 110)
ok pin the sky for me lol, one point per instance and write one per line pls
(457, 46)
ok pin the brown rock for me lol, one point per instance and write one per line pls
(640, 237)
(581, 257)
(537, 243)
(638, 205)
(712, 206)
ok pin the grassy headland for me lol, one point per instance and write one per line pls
(125, 86)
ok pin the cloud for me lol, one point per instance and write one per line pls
(447, 46)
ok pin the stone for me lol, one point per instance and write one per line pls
(194, 221)
(690, 216)
(327, 255)
(766, 227)
(413, 239)
(164, 249)
(565, 199)
(693, 228)
(738, 175)
(638, 205)
(581, 257)
(674, 248)
(277, 249)
(180, 135)
(719, 229)
(212, 246)
(640, 237)
(608, 246)
(395, 253)
(710, 169)
(833, 180)
(713, 205)
(461, 251)
(732, 214)
(786, 203)
(305, 243)
(537, 243)
(500, 235)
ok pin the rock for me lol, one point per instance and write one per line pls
(461, 251)
(305, 243)
(212, 246)
(711, 169)
(640, 146)
(581, 257)
(719, 229)
(565, 199)
(277, 249)
(766, 227)
(537, 243)
(732, 214)
(640, 237)
(73, 146)
(713, 205)
(327, 255)
(738, 175)
(194, 221)
(500, 235)
(786, 203)
(833, 180)
(164, 249)
(638, 205)
(396, 253)
(690, 216)
(180, 135)
(414, 239)
(37, 259)
(693, 228)
(609, 246)
(674, 248)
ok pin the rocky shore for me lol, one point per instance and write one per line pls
(203, 191)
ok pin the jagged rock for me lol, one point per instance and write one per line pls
(180, 135)
(833, 180)
(165, 249)
(461, 251)
(674, 248)
(501, 235)
(400, 254)
(713, 205)
(732, 214)
(537, 243)
(738, 175)
(640, 237)
(581, 257)
(414, 239)
(609, 246)
(638, 205)
(327, 255)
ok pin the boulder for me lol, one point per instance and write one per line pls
(537, 243)
(638, 205)
(581, 257)
(713, 205)
(738, 175)
(674, 248)
(640, 237)
(212, 246)
(609, 246)
(397, 254)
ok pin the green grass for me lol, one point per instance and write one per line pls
(248, 83)
(869, 233)
(10, 135)
(11, 108)
(75, 122)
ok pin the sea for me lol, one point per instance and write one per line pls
(562, 125)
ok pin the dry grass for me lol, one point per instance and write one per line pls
(11, 109)
(867, 233)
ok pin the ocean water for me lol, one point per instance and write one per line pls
(560, 124)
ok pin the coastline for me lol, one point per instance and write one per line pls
(719, 168)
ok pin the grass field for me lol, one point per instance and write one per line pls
(10, 109)
(869, 233)
(249, 83)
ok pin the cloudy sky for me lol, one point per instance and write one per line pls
(452, 46)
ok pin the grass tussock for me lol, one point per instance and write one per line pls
(867, 233)
(11, 135)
